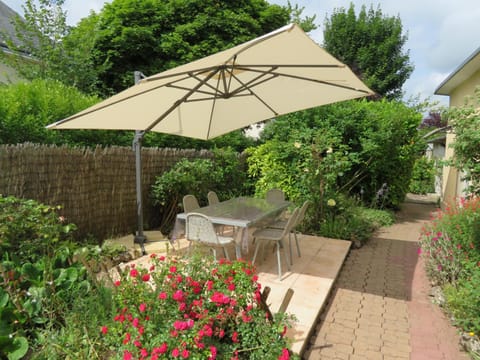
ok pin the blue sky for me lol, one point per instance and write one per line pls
(441, 33)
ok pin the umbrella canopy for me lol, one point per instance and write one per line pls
(278, 73)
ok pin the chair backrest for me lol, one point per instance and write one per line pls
(292, 221)
(275, 196)
(212, 198)
(302, 212)
(199, 227)
(190, 203)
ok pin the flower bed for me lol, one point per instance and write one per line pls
(193, 309)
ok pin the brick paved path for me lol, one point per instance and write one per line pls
(380, 306)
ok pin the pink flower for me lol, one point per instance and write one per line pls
(127, 355)
(175, 352)
(162, 349)
(173, 269)
(142, 307)
(219, 298)
(104, 330)
(143, 353)
(146, 277)
(235, 337)
(419, 250)
(117, 283)
(185, 354)
(178, 296)
(213, 351)
(134, 273)
(285, 355)
(127, 339)
(135, 322)
(162, 295)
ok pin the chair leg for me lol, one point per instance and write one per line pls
(298, 245)
(214, 254)
(290, 247)
(286, 257)
(225, 253)
(255, 253)
(279, 261)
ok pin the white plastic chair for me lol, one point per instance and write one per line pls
(212, 198)
(199, 228)
(275, 196)
(277, 236)
(190, 203)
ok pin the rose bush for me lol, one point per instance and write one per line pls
(193, 308)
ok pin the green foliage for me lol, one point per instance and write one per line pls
(352, 147)
(26, 108)
(53, 51)
(463, 302)
(30, 230)
(451, 242)
(423, 176)
(466, 122)
(344, 219)
(193, 308)
(224, 175)
(371, 44)
(39, 281)
(153, 36)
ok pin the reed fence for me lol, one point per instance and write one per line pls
(95, 187)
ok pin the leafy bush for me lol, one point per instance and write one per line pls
(193, 308)
(463, 302)
(224, 175)
(345, 219)
(465, 121)
(423, 176)
(452, 241)
(450, 245)
(37, 277)
(30, 230)
(373, 143)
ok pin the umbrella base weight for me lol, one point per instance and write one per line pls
(140, 239)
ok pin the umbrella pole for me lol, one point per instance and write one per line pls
(140, 238)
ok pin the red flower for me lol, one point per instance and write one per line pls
(146, 277)
(142, 307)
(162, 349)
(185, 354)
(127, 339)
(104, 330)
(175, 352)
(127, 355)
(135, 322)
(178, 296)
(235, 337)
(134, 273)
(285, 355)
(162, 295)
(143, 353)
(173, 269)
(117, 283)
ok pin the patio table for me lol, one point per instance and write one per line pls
(242, 213)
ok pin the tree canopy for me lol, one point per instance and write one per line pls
(372, 44)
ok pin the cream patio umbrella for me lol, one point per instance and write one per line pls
(278, 73)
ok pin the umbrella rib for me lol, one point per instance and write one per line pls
(255, 95)
(309, 79)
(181, 100)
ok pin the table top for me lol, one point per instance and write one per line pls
(241, 211)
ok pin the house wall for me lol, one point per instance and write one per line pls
(453, 186)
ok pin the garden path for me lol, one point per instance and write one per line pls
(380, 306)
